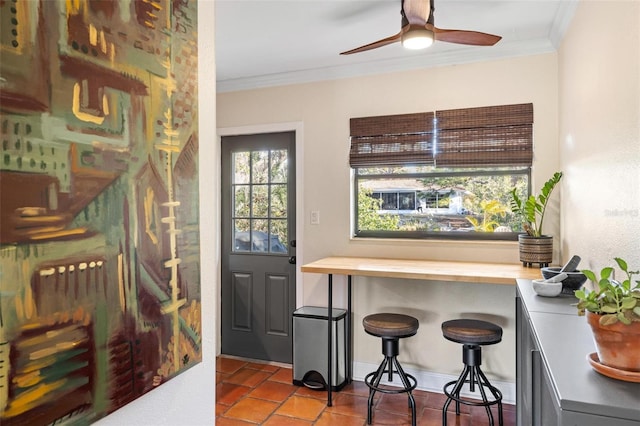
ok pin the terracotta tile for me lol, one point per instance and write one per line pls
(509, 417)
(509, 407)
(437, 400)
(229, 394)
(248, 377)
(433, 417)
(272, 391)
(251, 409)
(263, 367)
(254, 393)
(349, 405)
(381, 417)
(224, 421)
(480, 417)
(399, 403)
(220, 409)
(334, 419)
(302, 408)
(356, 388)
(311, 393)
(229, 365)
(277, 420)
(283, 375)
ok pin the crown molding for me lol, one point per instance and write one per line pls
(531, 47)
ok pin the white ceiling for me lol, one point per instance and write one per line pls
(262, 43)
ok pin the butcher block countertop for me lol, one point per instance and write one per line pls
(437, 270)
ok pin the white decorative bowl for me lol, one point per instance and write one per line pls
(546, 289)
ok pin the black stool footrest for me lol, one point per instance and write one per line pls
(475, 378)
(473, 403)
(409, 383)
(369, 378)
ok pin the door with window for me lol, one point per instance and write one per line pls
(258, 245)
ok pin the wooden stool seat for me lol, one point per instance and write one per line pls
(473, 332)
(390, 325)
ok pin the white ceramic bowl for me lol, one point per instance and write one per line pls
(546, 289)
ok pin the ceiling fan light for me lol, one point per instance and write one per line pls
(416, 39)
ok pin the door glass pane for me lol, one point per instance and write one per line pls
(279, 201)
(259, 235)
(260, 202)
(279, 239)
(241, 167)
(279, 166)
(259, 166)
(241, 200)
(241, 240)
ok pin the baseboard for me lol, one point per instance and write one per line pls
(434, 382)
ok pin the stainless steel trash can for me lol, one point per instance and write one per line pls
(310, 347)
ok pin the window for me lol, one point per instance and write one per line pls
(259, 191)
(443, 174)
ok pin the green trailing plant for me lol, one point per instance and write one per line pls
(613, 300)
(532, 209)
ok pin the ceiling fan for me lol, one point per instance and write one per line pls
(418, 30)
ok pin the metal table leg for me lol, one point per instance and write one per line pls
(330, 342)
(349, 338)
(349, 334)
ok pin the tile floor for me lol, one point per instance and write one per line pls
(250, 393)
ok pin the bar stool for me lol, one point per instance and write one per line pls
(391, 328)
(472, 334)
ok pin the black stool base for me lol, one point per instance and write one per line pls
(473, 375)
(409, 382)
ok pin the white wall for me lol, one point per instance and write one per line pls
(325, 108)
(189, 399)
(599, 74)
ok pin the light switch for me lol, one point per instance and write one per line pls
(315, 217)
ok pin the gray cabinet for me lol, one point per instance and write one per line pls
(536, 402)
(525, 348)
(555, 385)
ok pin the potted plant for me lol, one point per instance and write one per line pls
(612, 309)
(534, 247)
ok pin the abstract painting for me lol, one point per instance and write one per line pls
(99, 233)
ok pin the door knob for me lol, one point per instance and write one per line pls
(292, 260)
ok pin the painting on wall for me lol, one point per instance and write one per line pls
(99, 232)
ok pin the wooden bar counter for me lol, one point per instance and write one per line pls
(428, 270)
(437, 270)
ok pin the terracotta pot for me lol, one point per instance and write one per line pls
(535, 250)
(618, 345)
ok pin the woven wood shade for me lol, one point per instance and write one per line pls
(470, 137)
(486, 136)
(392, 140)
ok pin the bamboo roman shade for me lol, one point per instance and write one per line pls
(392, 140)
(470, 137)
(487, 136)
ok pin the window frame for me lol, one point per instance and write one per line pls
(432, 235)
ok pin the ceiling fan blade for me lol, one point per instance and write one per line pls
(416, 11)
(473, 38)
(417, 16)
(375, 44)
